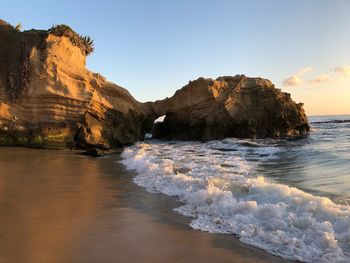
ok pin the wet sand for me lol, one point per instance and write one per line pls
(59, 206)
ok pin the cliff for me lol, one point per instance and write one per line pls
(49, 99)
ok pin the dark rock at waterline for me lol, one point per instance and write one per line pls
(95, 152)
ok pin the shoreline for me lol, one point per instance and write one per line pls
(121, 222)
(177, 240)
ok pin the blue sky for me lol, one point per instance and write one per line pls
(153, 47)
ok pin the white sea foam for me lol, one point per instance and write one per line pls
(216, 186)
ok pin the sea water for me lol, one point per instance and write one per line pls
(286, 196)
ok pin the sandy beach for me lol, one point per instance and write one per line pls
(59, 206)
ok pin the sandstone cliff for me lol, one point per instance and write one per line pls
(49, 99)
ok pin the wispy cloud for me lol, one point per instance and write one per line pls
(342, 70)
(320, 79)
(296, 79)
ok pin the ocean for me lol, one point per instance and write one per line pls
(288, 197)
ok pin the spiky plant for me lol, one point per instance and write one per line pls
(85, 43)
(88, 44)
(18, 27)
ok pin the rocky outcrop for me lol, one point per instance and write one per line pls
(49, 99)
(238, 106)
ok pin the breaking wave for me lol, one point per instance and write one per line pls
(219, 188)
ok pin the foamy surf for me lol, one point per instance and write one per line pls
(217, 189)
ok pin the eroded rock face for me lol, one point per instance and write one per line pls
(49, 99)
(238, 106)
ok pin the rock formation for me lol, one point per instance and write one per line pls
(49, 99)
(238, 106)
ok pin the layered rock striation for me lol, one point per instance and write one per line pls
(49, 99)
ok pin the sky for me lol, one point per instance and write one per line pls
(153, 48)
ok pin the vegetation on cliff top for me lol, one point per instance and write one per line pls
(18, 27)
(16, 50)
(85, 43)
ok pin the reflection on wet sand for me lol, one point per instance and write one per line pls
(58, 207)
(47, 199)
